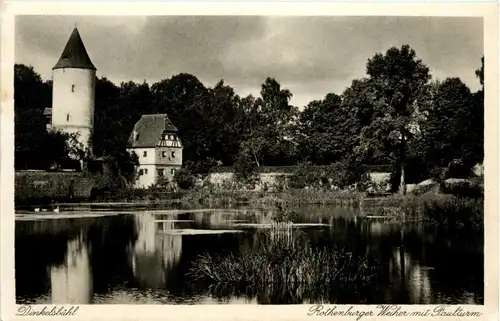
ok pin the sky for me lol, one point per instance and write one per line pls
(310, 56)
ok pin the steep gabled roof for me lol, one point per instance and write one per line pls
(149, 129)
(74, 54)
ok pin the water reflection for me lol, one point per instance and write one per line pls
(137, 259)
(154, 254)
(71, 282)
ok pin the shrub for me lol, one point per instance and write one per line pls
(464, 189)
(455, 213)
(245, 170)
(184, 178)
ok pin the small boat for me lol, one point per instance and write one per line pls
(56, 209)
(37, 209)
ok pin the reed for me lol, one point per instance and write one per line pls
(223, 197)
(447, 212)
(283, 259)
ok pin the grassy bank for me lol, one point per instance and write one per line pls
(282, 260)
(219, 197)
(446, 211)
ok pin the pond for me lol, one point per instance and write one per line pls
(143, 257)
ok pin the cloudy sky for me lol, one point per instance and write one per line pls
(311, 56)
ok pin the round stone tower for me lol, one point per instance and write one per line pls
(73, 91)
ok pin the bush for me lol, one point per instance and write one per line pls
(184, 178)
(463, 189)
(245, 170)
(342, 174)
(456, 214)
(447, 212)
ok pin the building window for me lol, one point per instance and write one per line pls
(172, 171)
(160, 172)
(146, 171)
(164, 154)
(173, 154)
(73, 88)
(145, 154)
(67, 117)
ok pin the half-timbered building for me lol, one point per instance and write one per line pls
(156, 142)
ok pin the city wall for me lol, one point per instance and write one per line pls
(40, 185)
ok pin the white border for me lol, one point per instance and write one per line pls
(489, 11)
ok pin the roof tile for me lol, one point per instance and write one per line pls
(74, 54)
(149, 130)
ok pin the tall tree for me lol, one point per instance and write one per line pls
(105, 123)
(30, 91)
(452, 129)
(185, 99)
(35, 147)
(480, 73)
(270, 138)
(223, 130)
(398, 79)
(322, 132)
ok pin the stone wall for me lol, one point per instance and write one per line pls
(38, 185)
(269, 179)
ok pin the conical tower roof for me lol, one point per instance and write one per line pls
(74, 54)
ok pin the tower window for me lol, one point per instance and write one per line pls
(163, 154)
(67, 117)
(172, 171)
(73, 88)
(145, 154)
(173, 154)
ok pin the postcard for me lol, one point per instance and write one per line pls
(282, 160)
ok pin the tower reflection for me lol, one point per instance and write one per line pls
(155, 252)
(71, 282)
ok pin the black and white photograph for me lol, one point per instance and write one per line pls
(249, 159)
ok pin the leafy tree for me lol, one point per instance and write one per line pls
(318, 131)
(480, 72)
(269, 138)
(185, 99)
(245, 168)
(223, 130)
(184, 178)
(30, 91)
(398, 79)
(330, 129)
(35, 147)
(452, 129)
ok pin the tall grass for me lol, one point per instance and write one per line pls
(223, 197)
(282, 259)
(456, 213)
(447, 212)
